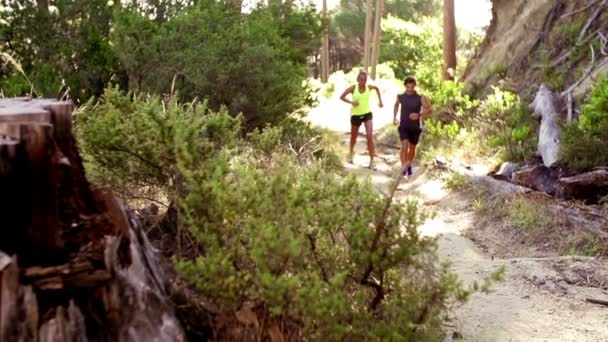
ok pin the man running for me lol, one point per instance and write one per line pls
(361, 112)
(414, 108)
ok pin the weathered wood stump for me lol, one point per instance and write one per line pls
(589, 186)
(73, 266)
(538, 177)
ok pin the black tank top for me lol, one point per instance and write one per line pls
(410, 104)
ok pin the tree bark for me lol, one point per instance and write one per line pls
(74, 265)
(449, 40)
(325, 49)
(376, 40)
(368, 35)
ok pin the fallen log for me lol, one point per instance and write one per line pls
(590, 186)
(73, 265)
(539, 178)
(597, 301)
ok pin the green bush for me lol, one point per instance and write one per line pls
(45, 81)
(413, 49)
(131, 142)
(584, 144)
(508, 122)
(278, 230)
(248, 63)
(299, 138)
(308, 246)
(450, 101)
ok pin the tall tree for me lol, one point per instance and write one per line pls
(368, 34)
(376, 41)
(449, 40)
(325, 49)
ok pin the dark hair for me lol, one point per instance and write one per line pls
(409, 80)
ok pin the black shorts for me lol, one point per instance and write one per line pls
(409, 133)
(357, 120)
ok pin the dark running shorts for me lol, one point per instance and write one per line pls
(411, 134)
(357, 120)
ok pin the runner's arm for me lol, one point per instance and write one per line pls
(396, 110)
(379, 96)
(427, 110)
(348, 90)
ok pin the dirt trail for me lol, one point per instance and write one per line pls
(535, 302)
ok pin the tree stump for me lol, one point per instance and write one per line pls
(73, 265)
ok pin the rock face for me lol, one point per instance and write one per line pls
(525, 42)
(549, 135)
(507, 39)
(73, 265)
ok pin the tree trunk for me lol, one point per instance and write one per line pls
(376, 40)
(549, 142)
(449, 40)
(325, 49)
(368, 35)
(238, 4)
(73, 264)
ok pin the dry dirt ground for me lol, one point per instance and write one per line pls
(540, 299)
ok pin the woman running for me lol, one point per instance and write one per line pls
(361, 112)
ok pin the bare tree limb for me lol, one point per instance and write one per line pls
(587, 72)
(591, 20)
(569, 104)
(591, 3)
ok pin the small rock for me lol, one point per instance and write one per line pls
(505, 171)
(456, 335)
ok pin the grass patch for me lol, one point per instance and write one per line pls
(584, 243)
(528, 214)
(454, 181)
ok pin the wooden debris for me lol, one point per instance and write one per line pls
(77, 255)
(538, 177)
(589, 186)
(597, 301)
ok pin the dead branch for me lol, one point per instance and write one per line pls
(569, 105)
(587, 72)
(582, 9)
(590, 21)
(597, 301)
(603, 43)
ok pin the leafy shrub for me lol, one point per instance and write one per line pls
(449, 99)
(584, 143)
(509, 124)
(299, 138)
(413, 49)
(249, 64)
(283, 235)
(15, 84)
(437, 133)
(42, 80)
(305, 245)
(131, 142)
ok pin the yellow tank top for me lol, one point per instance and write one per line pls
(363, 99)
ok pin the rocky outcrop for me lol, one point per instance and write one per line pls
(531, 42)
